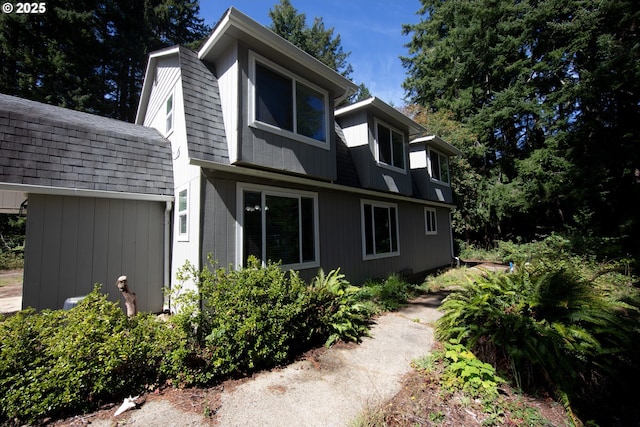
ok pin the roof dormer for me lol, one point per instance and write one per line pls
(429, 159)
(378, 137)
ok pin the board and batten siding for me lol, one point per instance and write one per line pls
(73, 243)
(340, 231)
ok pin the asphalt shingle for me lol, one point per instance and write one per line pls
(52, 146)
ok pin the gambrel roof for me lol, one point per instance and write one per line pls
(51, 147)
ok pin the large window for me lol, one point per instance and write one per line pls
(379, 229)
(390, 146)
(287, 103)
(439, 164)
(279, 226)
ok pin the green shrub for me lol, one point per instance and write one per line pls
(258, 317)
(335, 312)
(389, 294)
(54, 362)
(554, 327)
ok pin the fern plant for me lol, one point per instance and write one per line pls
(548, 322)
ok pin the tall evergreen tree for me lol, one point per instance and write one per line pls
(90, 55)
(551, 89)
(317, 41)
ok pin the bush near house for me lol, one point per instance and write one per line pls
(58, 362)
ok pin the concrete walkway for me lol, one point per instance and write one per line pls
(331, 391)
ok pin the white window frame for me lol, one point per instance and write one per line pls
(182, 213)
(441, 158)
(169, 114)
(282, 192)
(377, 204)
(430, 221)
(253, 122)
(392, 129)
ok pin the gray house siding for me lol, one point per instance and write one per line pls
(339, 231)
(273, 151)
(429, 189)
(75, 242)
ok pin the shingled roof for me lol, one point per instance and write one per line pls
(206, 137)
(47, 146)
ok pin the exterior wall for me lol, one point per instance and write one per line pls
(74, 242)
(339, 231)
(186, 176)
(228, 74)
(274, 151)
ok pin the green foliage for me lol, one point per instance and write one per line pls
(91, 55)
(258, 317)
(336, 309)
(387, 295)
(540, 85)
(55, 362)
(464, 371)
(12, 236)
(554, 327)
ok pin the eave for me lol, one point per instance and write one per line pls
(437, 143)
(235, 25)
(384, 111)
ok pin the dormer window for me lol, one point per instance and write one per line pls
(439, 166)
(390, 143)
(285, 103)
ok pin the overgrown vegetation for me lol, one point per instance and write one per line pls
(230, 323)
(12, 237)
(559, 324)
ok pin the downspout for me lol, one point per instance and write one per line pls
(167, 257)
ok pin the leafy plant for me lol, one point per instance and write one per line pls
(58, 361)
(464, 371)
(551, 325)
(339, 313)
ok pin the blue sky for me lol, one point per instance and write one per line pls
(370, 29)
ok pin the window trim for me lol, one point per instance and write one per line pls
(376, 139)
(441, 157)
(265, 190)
(379, 204)
(253, 122)
(182, 237)
(169, 116)
(427, 212)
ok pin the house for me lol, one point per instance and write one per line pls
(237, 151)
(265, 165)
(98, 193)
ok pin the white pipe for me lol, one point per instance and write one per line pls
(167, 255)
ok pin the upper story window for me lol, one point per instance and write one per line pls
(169, 115)
(379, 229)
(282, 102)
(439, 166)
(390, 144)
